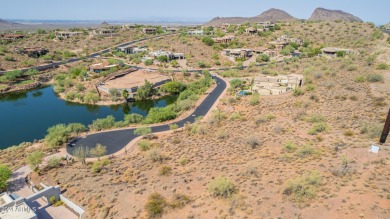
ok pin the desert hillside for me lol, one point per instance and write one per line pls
(322, 14)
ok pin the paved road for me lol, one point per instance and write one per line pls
(117, 140)
(93, 55)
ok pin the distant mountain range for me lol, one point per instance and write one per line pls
(274, 15)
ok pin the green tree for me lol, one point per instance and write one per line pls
(145, 91)
(263, 58)
(91, 97)
(143, 131)
(148, 62)
(173, 87)
(34, 159)
(99, 151)
(162, 58)
(208, 41)
(5, 174)
(175, 64)
(125, 94)
(81, 153)
(56, 136)
(76, 128)
(236, 83)
(133, 118)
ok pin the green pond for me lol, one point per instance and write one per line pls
(27, 116)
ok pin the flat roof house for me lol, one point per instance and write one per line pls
(149, 30)
(275, 85)
(33, 52)
(132, 49)
(105, 32)
(169, 55)
(195, 32)
(12, 37)
(237, 53)
(251, 30)
(101, 67)
(225, 39)
(332, 51)
(67, 34)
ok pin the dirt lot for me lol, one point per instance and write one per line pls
(135, 79)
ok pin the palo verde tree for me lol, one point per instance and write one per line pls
(5, 174)
(98, 151)
(145, 91)
(81, 153)
(56, 136)
(34, 159)
(143, 131)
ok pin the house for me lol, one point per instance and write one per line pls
(275, 85)
(332, 51)
(105, 32)
(11, 37)
(238, 53)
(169, 55)
(12, 209)
(149, 30)
(101, 67)
(279, 45)
(224, 26)
(132, 49)
(225, 39)
(195, 32)
(251, 30)
(67, 34)
(266, 24)
(171, 29)
(33, 52)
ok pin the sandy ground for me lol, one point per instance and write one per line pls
(135, 79)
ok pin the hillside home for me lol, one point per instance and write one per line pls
(275, 85)
(132, 49)
(11, 37)
(149, 30)
(101, 67)
(105, 32)
(33, 52)
(225, 39)
(266, 24)
(251, 30)
(238, 53)
(171, 29)
(67, 34)
(332, 51)
(195, 32)
(169, 55)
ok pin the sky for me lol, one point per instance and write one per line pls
(376, 11)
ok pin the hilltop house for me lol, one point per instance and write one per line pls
(101, 67)
(225, 39)
(67, 34)
(149, 30)
(33, 52)
(195, 32)
(251, 30)
(275, 85)
(169, 55)
(332, 51)
(238, 53)
(11, 37)
(132, 49)
(105, 32)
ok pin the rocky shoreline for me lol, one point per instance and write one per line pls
(18, 88)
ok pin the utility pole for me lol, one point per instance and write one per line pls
(386, 129)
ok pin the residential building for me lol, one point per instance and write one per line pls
(101, 67)
(105, 32)
(169, 55)
(225, 39)
(149, 30)
(332, 51)
(11, 37)
(67, 34)
(132, 49)
(251, 30)
(238, 53)
(195, 32)
(10, 209)
(275, 85)
(33, 52)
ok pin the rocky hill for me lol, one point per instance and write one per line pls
(9, 25)
(322, 14)
(273, 15)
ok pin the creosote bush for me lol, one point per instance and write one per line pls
(222, 187)
(155, 205)
(304, 188)
(144, 145)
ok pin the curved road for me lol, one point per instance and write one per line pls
(118, 139)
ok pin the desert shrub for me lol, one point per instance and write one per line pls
(183, 161)
(157, 115)
(372, 130)
(253, 142)
(91, 97)
(221, 187)
(98, 165)
(297, 92)
(98, 151)
(255, 99)
(310, 87)
(173, 87)
(155, 155)
(382, 66)
(289, 147)
(208, 41)
(5, 174)
(173, 126)
(148, 62)
(315, 118)
(165, 170)
(54, 162)
(133, 118)
(180, 200)
(56, 136)
(306, 150)
(360, 79)
(144, 145)
(317, 128)
(143, 131)
(230, 73)
(103, 124)
(303, 189)
(262, 58)
(222, 134)
(236, 116)
(345, 169)
(349, 133)
(114, 94)
(198, 128)
(155, 205)
(375, 78)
